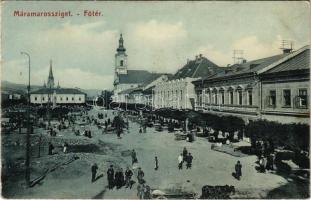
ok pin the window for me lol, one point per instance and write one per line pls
(231, 97)
(121, 62)
(240, 98)
(303, 98)
(66, 98)
(79, 98)
(49, 98)
(272, 98)
(35, 98)
(222, 97)
(42, 98)
(215, 98)
(287, 97)
(61, 98)
(250, 97)
(72, 99)
(55, 98)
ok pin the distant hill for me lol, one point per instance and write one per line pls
(7, 86)
(15, 87)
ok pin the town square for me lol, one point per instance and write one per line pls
(151, 104)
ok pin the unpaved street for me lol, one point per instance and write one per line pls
(74, 179)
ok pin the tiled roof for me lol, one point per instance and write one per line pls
(247, 67)
(58, 91)
(197, 68)
(298, 62)
(137, 76)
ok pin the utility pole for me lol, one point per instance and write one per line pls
(27, 162)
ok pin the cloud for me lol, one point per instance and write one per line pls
(157, 33)
(218, 57)
(89, 47)
(158, 43)
(16, 71)
(74, 77)
(251, 46)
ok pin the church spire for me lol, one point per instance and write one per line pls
(50, 83)
(121, 45)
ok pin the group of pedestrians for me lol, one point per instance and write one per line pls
(119, 178)
(186, 157)
(266, 163)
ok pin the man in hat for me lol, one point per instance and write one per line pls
(110, 177)
(238, 170)
(140, 175)
(128, 176)
(134, 158)
(94, 171)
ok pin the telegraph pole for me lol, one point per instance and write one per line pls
(27, 162)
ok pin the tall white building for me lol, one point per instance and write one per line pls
(127, 79)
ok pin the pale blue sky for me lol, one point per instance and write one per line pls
(159, 36)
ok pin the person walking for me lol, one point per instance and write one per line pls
(147, 192)
(262, 164)
(270, 162)
(51, 148)
(110, 177)
(189, 159)
(65, 147)
(184, 153)
(140, 176)
(94, 171)
(128, 177)
(238, 170)
(134, 158)
(140, 191)
(156, 163)
(119, 178)
(180, 161)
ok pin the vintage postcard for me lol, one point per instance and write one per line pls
(155, 99)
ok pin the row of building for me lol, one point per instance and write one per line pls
(274, 88)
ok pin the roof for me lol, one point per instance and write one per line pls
(246, 68)
(58, 91)
(199, 67)
(298, 62)
(138, 77)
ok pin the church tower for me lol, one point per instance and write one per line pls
(50, 83)
(121, 58)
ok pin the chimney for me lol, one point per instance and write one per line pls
(200, 55)
(244, 61)
(287, 50)
(287, 46)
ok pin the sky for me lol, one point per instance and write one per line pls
(158, 36)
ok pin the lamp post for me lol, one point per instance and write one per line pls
(27, 163)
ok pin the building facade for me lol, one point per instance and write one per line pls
(49, 94)
(274, 88)
(178, 92)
